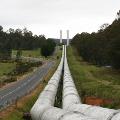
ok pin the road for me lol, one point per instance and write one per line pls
(10, 94)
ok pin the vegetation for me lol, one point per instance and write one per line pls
(23, 67)
(18, 55)
(6, 68)
(48, 48)
(22, 40)
(18, 39)
(29, 53)
(11, 70)
(22, 43)
(101, 48)
(94, 81)
(25, 104)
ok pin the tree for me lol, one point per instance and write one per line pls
(1, 28)
(18, 55)
(118, 14)
(114, 53)
(5, 48)
(19, 40)
(103, 27)
(101, 48)
(48, 48)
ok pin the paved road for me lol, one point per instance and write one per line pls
(22, 87)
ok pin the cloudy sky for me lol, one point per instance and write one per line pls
(49, 16)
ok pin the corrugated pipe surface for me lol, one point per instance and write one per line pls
(70, 94)
(47, 97)
(73, 109)
(43, 108)
(72, 102)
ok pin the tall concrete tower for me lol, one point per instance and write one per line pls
(67, 37)
(60, 36)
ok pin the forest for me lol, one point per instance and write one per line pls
(22, 40)
(101, 48)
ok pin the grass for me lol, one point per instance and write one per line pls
(29, 53)
(37, 53)
(15, 112)
(6, 68)
(95, 81)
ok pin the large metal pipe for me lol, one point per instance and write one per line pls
(94, 111)
(70, 94)
(73, 109)
(72, 102)
(116, 116)
(43, 108)
(54, 113)
(47, 97)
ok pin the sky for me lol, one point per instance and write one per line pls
(48, 17)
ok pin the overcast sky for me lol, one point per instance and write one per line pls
(49, 16)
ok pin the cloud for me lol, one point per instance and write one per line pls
(49, 16)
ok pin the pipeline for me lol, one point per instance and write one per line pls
(47, 97)
(72, 107)
(44, 108)
(72, 102)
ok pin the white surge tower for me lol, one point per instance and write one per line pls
(67, 37)
(60, 36)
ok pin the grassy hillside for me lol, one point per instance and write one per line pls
(6, 68)
(93, 81)
(29, 53)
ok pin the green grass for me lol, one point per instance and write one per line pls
(94, 81)
(25, 104)
(6, 68)
(29, 53)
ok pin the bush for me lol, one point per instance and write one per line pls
(48, 48)
(9, 79)
(101, 48)
(23, 67)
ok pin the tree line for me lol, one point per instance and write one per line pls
(21, 40)
(101, 48)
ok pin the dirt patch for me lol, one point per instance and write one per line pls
(96, 101)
